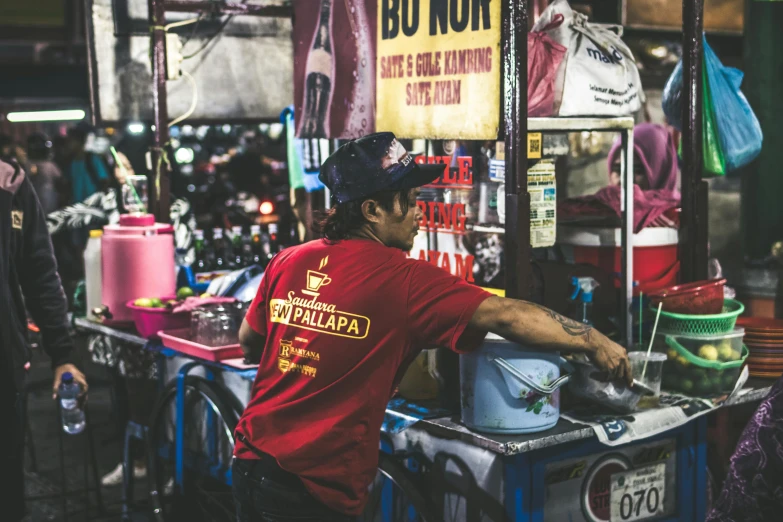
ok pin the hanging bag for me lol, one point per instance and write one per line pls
(737, 126)
(544, 57)
(599, 76)
(712, 154)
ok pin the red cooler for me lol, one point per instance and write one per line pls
(655, 253)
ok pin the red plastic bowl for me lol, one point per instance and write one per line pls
(699, 298)
(149, 321)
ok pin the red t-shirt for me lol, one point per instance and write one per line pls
(342, 322)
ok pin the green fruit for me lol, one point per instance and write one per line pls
(725, 352)
(703, 385)
(686, 385)
(728, 381)
(708, 352)
(144, 302)
(672, 354)
(683, 361)
(736, 356)
(156, 303)
(185, 292)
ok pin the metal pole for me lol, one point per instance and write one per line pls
(693, 231)
(625, 318)
(159, 177)
(514, 99)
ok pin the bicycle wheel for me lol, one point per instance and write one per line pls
(207, 454)
(396, 495)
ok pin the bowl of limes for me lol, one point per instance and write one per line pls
(153, 314)
(702, 365)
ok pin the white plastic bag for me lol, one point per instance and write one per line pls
(599, 76)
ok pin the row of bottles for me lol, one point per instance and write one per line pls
(231, 250)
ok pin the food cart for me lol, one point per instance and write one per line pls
(632, 467)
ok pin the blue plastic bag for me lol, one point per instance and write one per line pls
(738, 128)
(672, 98)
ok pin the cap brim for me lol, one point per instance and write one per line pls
(419, 175)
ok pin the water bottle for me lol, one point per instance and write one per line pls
(72, 414)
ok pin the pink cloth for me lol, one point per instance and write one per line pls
(655, 150)
(191, 303)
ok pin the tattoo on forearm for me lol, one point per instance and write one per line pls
(570, 326)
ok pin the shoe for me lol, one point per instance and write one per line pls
(114, 477)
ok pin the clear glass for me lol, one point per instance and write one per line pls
(134, 194)
(649, 376)
(207, 327)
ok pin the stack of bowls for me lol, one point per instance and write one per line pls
(764, 339)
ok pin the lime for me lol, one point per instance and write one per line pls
(185, 292)
(708, 352)
(728, 381)
(144, 302)
(672, 354)
(725, 352)
(683, 361)
(703, 385)
(156, 302)
(686, 385)
(735, 355)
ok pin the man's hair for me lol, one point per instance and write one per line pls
(343, 220)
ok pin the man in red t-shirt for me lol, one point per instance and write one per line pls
(335, 324)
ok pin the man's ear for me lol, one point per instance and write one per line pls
(371, 211)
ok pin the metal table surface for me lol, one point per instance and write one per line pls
(565, 431)
(450, 427)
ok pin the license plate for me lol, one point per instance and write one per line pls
(638, 494)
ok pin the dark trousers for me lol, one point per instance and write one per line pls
(264, 493)
(11, 456)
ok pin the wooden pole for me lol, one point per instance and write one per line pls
(159, 197)
(514, 101)
(693, 225)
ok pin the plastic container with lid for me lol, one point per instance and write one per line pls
(92, 272)
(655, 253)
(137, 260)
(702, 364)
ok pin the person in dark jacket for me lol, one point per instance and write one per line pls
(29, 282)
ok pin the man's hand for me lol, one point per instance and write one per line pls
(612, 358)
(77, 376)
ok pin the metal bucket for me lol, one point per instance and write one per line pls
(508, 389)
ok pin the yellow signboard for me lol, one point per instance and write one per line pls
(438, 68)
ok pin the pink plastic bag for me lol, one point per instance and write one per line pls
(544, 56)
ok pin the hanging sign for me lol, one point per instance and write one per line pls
(438, 68)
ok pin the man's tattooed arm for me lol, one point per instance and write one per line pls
(570, 326)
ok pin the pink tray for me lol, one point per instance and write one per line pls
(180, 341)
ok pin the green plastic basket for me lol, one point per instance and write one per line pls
(681, 324)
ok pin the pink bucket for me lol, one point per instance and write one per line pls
(149, 321)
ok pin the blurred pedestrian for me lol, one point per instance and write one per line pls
(31, 282)
(87, 173)
(753, 489)
(44, 173)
